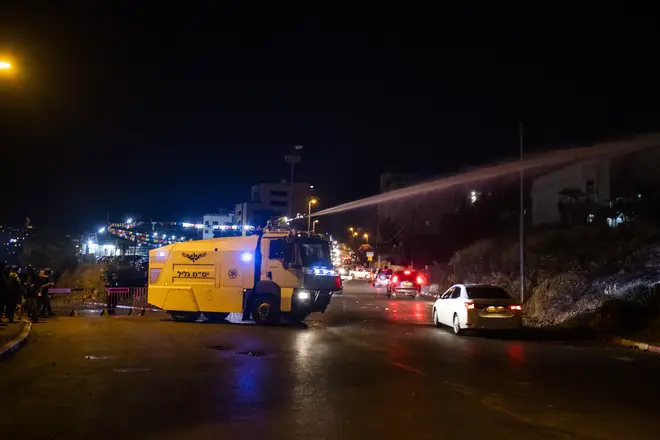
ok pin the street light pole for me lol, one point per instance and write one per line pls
(522, 220)
(309, 214)
(314, 226)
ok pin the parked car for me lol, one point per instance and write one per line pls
(477, 306)
(405, 282)
(359, 273)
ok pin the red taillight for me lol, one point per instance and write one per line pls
(516, 307)
(407, 272)
(338, 282)
(469, 305)
(420, 280)
(395, 279)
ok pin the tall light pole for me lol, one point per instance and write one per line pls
(366, 237)
(293, 159)
(309, 214)
(314, 226)
(522, 220)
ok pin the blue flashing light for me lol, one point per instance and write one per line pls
(246, 257)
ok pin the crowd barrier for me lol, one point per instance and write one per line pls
(111, 300)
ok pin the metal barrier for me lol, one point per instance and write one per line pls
(111, 300)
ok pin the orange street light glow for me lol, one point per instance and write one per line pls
(5, 65)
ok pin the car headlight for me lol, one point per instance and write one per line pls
(303, 295)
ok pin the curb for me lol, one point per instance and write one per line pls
(12, 346)
(642, 346)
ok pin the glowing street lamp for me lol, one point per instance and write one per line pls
(314, 226)
(309, 213)
(366, 238)
(5, 65)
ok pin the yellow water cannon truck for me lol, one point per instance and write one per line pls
(278, 274)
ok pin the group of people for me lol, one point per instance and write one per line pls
(24, 291)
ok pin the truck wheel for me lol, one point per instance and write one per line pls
(216, 316)
(266, 310)
(184, 316)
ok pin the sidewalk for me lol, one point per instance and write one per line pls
(646, 340)
(13, 337)
(9, 332)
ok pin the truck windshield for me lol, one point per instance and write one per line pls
(315, 253)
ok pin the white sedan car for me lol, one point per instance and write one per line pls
(477, 306)
(359, 273)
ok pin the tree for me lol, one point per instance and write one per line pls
(572, 205)
(49, 249)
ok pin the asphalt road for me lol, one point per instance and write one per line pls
(367, 368)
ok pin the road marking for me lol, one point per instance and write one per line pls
(409, 368)
(132, 370)
(624, 359)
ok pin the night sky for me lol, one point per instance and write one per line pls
(173, 113)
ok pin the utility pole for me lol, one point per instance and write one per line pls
(522, 219)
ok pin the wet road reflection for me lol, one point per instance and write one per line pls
(368, 368)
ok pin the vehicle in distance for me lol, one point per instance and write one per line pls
(344, 272)
(359, 273)
(405, 282)
(278, 274)
(477, 306)
(382, 278)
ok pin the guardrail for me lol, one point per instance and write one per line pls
(108, 300)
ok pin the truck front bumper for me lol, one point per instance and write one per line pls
(315, 301)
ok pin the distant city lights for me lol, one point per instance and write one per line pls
(101, 231)
(474, 196)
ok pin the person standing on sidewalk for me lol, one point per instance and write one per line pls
(14, 293)
(31, 292)
(43, 284)
(3, 290)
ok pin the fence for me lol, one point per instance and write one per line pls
(112, 299)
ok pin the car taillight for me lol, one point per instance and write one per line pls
(469, 305)
(338, 282)
(407, 272)
(516, 307)
(395, 279)
(420, 280)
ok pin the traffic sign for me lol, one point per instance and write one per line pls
(370, 254)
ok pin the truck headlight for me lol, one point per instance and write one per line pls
(303, 295)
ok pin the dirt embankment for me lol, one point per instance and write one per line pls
(597, 278)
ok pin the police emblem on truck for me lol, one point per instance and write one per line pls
(233, 273)
(193, 257)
